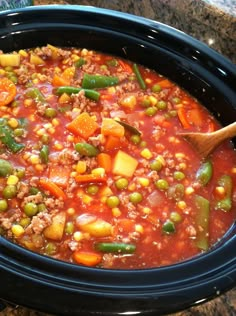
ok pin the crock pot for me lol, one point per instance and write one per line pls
(62, 288)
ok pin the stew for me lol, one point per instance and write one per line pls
(92, 169)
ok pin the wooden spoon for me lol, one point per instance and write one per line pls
(205, 143)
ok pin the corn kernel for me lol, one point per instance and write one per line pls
(106, 191)
(78, 236)
(220, 191)
(55, 122)
(41, 132)
(182, 166)
(144, 182)
(12, 180)
(181, 205)
(28, 102)
(51, 130)
(98, 171)
(103, 199)
(132, 187)
(116, 212)
(111, 90)
(73, 174)
(70, 138)
(153, 100)
(81, 167)
(71, 211)
(17, 230)
(58, 146)
(233, 170)
(84, 52)
(12, 122)
(35, 81)
(47, 125)
(147, 210)
(180, 155)
(86, 199)
(39, 167)
(75, 57)
(145, 153)
(189, 190)
(34, 159)
(148, 80)
(23, 53)
(2, 72)
(139, 228)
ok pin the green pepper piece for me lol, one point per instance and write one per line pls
(36, 94)
(139, 77)
(202, 221)
(204, 173)
(168, 227)
(44, 152)
(89, 93)
(80, 62)
(115, 247)
(85, 149)
(225, 204)
(98, 81)
(7, 139)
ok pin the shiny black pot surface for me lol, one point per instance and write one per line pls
(65, 289)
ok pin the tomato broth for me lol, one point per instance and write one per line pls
(92, 169)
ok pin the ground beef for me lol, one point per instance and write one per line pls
(36, 198)
(39, 223)
(9, 217)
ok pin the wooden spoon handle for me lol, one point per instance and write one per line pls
(226, 132)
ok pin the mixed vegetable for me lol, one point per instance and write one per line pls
(92, 170)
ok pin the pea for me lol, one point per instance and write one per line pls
(178, 175)
(112, 62)
(156, 88)
(143, 143)
(18, 132)
(103, 67)
(168, 227)
(20, 172)
(156, 165)
(8, 68)
(85, 149)
(69, 228)
(5, 168)
(45, 139)
(176, 100)
(3, 205)
(162, 184)
(30, 209)
(13, 78)
(24, 222)
(9, 191)
(50, 113)
(146, 103)
(175, 217)
(176, 192)
(113, 201)
(151, 110)
(173, 113)
(135, 139)
(50, 248)
(135, 197)
(161, 105)
(121, 183)
(92, 189)
(42, 207)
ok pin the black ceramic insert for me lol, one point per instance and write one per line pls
(66, 289)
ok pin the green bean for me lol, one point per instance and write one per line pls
(139, 77)
(44, 154)
(30, 209)
(135, 197)
(3, 205)
(89, 93)
(36, 94)
(7, 139)
(98, 81)
(202, 206)
(80, 62)
(113, 201)
(5, 168)
(225, 204)
(85, 149)
(204, 173)
(9, 191)
(168, 227)
(115, 247)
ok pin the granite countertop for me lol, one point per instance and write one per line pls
(214, 23)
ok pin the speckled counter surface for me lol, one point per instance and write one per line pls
(211, 21)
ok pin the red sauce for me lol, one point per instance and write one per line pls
(104, 179)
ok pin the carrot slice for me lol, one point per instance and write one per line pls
(90, 178)
(183, 118)
(165, 83)
(58, 81)
(83, 125)
(87, 258)
(52, 187)
(126, 67)
(7, 91)
(112, 142)
(59, 175)
(111, 127)
(104, 161)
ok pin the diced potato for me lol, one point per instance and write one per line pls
(36, 60)
(12, 60)
(56, 229)
(124, 164)
(94, 226)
